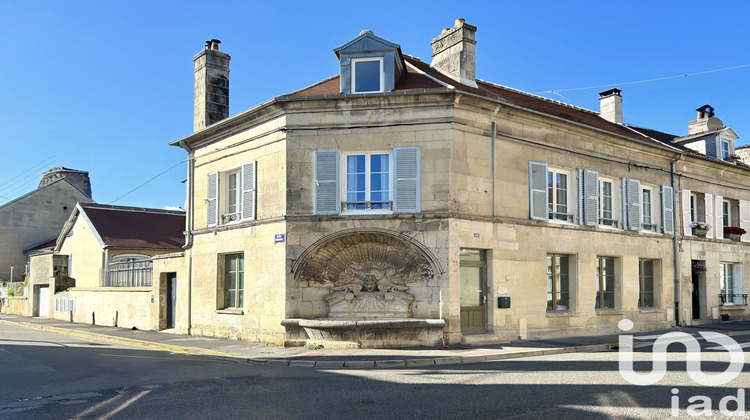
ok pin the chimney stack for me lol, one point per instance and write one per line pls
(454, 52)
(705, 121)
(610, 105)
(211, 103)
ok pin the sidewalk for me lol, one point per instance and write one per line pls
(255, 353)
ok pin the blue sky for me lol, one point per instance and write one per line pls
(103, 86)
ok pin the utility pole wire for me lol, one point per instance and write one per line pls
(158, 175)
(555, 91)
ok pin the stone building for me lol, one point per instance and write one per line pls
(35, 218)
(406, 203)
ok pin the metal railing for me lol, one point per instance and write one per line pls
(561, 216)
(732, 299)
(129, 274)
(367, 205)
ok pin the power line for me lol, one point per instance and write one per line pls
(158, 175)
(555, 91)
(29, 172)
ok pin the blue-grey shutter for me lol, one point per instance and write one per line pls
(634, 203)
(538, 191)
(407, 189)
(588, 193)
(326, 188)
(667, 209)
(249, 190)
(212, 198)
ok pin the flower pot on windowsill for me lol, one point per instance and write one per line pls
(733, 232)
(734, 236)
(702, 232)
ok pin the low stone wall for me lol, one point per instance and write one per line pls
(14, 305)
(121, 307)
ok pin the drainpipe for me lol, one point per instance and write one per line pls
(189, 219)
(675, 261)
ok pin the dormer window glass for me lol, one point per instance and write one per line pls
(367, 75)
(725, 149)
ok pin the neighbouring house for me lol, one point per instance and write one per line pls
(35, 218)
(101, 270)
(403, 203)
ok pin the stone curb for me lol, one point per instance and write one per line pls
(119, 340)
(390, 363)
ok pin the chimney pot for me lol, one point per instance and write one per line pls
(459, 22)
(366, 31)
(445, 30)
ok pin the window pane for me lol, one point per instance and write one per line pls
(562, 193)
(232, 193)
(379, 163)
(367, 76)
(549, 282)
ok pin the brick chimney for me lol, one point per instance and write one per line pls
(211, 86)
(610, 105)
(454, 52)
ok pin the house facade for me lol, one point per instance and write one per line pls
(102, 268)
(401, 203)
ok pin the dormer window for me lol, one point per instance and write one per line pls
(369, 64)
(725, 149)
(367, 75)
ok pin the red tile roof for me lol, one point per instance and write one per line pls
(137, 228)
(420, 76)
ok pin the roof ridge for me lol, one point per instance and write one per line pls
(537, 96)
(131, 208)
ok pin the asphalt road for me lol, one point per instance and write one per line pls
(45, 375)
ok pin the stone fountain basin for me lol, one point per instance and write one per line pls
(371, 333)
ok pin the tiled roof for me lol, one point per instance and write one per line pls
(420, 76)
(137, 228)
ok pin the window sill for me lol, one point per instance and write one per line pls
(561, 314)
(650, 310)
(609, 312)
(230, 311)
(732, 307)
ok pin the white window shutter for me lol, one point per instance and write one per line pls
(686, 217)
(745, 219)
(407, 188)
(633, 205)
(624, 202)
(708, 206)
(249, 190)
(538, 191)
(667, 209)
(326, 187)
(588, 191)
(719, 216)
(212, 198)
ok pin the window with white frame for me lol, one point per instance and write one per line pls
(367, 184)
(367, 75)
(558, 200)
(607, 203)
(376, 182)
(605, 283)
(726, 217)
(648, 207)
(231, 195)
(730, 276)
(725, 149)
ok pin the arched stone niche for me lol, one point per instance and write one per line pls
(369, 273)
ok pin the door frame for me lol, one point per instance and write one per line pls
(483, 288)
